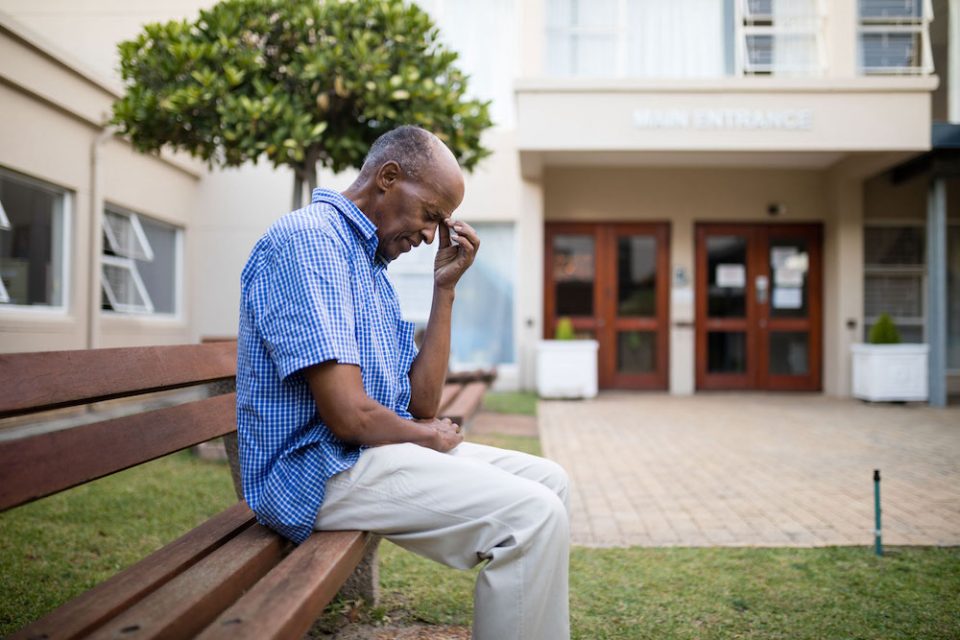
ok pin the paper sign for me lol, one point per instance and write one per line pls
(787, 277)
(731, 275)
(779, 256)
(787, 298)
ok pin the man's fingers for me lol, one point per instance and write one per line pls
(466, 231)
(444, 234)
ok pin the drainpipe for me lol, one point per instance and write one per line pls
(96, 240)
(953, 62)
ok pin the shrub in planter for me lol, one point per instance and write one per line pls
(884, 331)
(886, 370)
(566, 366)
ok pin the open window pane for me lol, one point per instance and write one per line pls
(32, 268)
(141, 263)
(124, 236)
(123, 287)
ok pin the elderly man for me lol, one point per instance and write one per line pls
(337, 409)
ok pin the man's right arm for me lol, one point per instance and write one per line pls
(358, 419)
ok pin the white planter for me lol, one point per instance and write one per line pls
(567, 368)
(890, 372)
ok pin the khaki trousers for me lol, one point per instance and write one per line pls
(471, 505)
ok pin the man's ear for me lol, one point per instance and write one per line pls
(388, 175)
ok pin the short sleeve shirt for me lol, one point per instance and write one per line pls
(313, 290)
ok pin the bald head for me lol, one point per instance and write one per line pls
(416, 150)
(409, 184)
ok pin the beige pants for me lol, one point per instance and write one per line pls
(474, 504)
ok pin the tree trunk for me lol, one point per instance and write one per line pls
(297, 189)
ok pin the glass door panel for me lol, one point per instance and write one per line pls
(574, 260)
(637, 276)
(727, 352)
(636, 352)
(789, 353)
(789, 267)
(726, 276)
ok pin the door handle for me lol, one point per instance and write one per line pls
(762, 284)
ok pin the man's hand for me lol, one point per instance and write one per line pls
(454, 257)
(448, 434)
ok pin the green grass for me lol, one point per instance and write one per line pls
(717, 593)
(519, 402)
(56, 548)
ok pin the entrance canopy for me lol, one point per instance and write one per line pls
(749, 122)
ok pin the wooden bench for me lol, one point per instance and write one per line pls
(227, 578)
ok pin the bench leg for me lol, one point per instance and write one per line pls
(364, 582)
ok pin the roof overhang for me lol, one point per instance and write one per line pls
(746, 122)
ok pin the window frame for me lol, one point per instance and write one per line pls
(898, 25)
(116, 260)
(748, 24)
(617, 31)
(66, 248)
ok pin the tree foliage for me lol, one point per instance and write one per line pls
(300, 82)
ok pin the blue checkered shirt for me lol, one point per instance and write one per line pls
(312, 290)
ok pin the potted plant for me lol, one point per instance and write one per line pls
(886, 370)
(567, 366)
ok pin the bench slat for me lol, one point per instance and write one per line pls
(286, 602)
(93, 608)
(41, 381)
(39, 465)
(467, 402)
(182, 607)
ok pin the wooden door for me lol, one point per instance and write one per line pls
(611, 280)
(758, 306)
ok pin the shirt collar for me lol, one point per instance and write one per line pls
(361, 223)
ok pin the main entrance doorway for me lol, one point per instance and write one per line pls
(758, 306)
(611, 280)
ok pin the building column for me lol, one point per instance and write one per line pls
(843, 281)
(529, 291)
(937, 291)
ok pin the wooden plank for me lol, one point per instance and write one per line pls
(466, 404)
(189, 602)
(96, 606)
(474, 375)
(39, 465)
(288, 600)
(40, 381)
(450, 391)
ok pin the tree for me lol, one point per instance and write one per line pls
(300, 82)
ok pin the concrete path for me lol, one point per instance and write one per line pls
(754, 470)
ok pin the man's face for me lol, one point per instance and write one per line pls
(412, 209)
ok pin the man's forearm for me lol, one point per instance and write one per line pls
(429, 369)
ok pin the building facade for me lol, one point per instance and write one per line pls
(718, 191)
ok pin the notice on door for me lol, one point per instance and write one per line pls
(787, 298)
(731, 275)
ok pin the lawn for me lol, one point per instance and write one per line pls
(58, 547)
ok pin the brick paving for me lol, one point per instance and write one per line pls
(754, 470)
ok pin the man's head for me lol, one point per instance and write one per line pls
(409, 183)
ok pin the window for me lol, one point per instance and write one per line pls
(33, 242)
(140, 265)
(780, 37)
(491, 62)
(639, 38)
(483, 316)
(895, 278)
(894, 36)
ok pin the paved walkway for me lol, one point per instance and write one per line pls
(754, 470)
